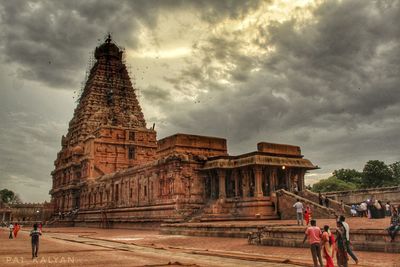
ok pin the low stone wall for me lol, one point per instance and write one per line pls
(285, 201)
(384, 194)
(118, 217)
(361, 239)
(281, 235)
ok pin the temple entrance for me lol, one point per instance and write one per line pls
(211, 185)
(75, 199)
(116, 192)
(281, 176)
(207, 187)
(214, 187)
(240, 187)
(252, 184)
(265, 183)
(230, 185)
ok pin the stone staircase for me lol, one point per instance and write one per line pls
(285, 201)
(333, 204)
(232, 209)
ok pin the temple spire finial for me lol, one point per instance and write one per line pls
(108, 40)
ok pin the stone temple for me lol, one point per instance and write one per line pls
(112, 169)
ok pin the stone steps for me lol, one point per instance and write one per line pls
(214, 229)
(229, 217)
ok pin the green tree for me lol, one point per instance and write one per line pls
(395, 168)
(9, 197)
(348, 175)
(376, 174)
(332, 184)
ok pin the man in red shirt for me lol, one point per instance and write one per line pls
(314, 237)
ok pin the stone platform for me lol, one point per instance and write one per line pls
(365, 234)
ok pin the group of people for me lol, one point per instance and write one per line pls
(34, 234)
(372, 209)
(323, 200)
(330, 244)
(68, 214)
(14, 229)
(339, 244)
(302, 213)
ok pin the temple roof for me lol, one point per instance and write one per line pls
(257, 158)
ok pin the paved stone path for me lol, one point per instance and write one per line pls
(234, 246)
(60, 249)
(123, 247)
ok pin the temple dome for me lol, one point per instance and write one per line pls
(108, 49)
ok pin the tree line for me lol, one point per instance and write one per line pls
(374, 174)
(9, 197)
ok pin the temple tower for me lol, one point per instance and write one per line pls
(107, 132)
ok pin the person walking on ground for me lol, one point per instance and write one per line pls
(320, 199)
(342, 207)
(353, 210)
(308, 214)
(11, 228)
(326, 201)
(17, 227)
(347, 238)
(388, 209)
(299, 211)
(381, 212)
(394, 225)
(35, 240)
(314, 238)
(363, 208)
(341, 254)
(328, 246)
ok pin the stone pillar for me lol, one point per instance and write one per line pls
(301, 180)
(212, 186)
(222, 177)
(258, 180)
(276, 182)
(4, 216)
(289, 179)
(245, 182)
(235, 175)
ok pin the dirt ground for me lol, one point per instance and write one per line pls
(123, 247)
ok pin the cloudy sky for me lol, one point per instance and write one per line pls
(324, 75)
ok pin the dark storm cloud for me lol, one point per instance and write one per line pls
(330, 85)
(156, 95)
(30, 133)
(214, 11)
(49, 40)
(37, 35)
(46, 44)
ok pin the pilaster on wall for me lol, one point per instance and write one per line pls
(258, 179)
(246, 181)
(222, 177)
(236, 179)
(301, 180)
